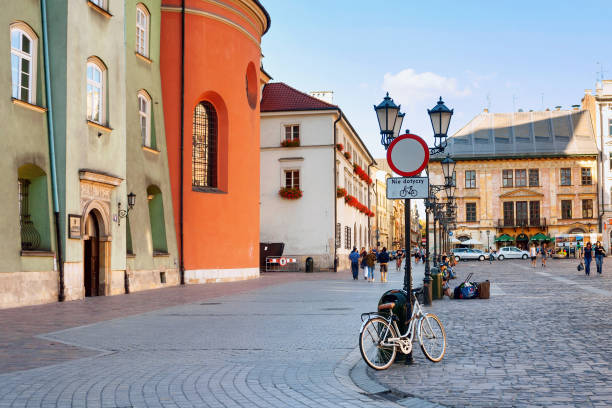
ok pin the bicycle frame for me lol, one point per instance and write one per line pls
(416, 316)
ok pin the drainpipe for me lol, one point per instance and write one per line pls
(182, 158)
(336, 186)
(56, 211)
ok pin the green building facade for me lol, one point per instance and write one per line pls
(109, 141)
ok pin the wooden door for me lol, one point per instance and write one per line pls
(91, 258)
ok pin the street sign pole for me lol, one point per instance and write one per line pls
(408, 266)
(407, 156)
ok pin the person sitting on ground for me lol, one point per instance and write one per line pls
(446, 288)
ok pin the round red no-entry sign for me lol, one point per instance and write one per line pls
(408, 155)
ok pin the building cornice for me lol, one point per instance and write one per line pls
(517, 157)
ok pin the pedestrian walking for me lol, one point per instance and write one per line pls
(599, 256)
(383, 259)
(398, 260)
(533, 253)
(588, 257)
(543, 252)
(362, 255)
(354, 258)
(491, 255)
(370, 261)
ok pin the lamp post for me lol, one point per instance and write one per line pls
(488, 245)
(390, 122)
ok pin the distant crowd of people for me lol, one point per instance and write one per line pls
(367, 260)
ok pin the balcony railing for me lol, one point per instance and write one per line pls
(521, 223)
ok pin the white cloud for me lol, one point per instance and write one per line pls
(410, 86)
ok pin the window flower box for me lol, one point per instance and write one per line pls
(290, 193)
(340, 192)
(290, 143)
(361, 173)
(339, 146)
(347, 155)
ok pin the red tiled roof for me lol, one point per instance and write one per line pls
(278, 96)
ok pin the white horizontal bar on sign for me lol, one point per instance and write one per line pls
(407, 187)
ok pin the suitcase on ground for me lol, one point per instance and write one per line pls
(484, 289)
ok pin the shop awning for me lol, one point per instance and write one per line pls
(504, 238)
(540, 237)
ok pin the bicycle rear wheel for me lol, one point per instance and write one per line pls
(432, 337)
(375, 350)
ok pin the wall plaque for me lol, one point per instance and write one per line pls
(74, 226)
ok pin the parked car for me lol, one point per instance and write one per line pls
(468, 253)
(511, 253)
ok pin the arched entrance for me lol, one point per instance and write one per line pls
(91, 256)
(522, 241)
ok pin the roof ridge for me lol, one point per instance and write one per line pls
(303, 93)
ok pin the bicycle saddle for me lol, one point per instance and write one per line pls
(386, 306)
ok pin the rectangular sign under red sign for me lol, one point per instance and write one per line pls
(407, 187)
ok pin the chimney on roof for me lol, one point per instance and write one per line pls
(325, 96)
(485, 110)
(558, 107)
(575, 107)
(588, 91)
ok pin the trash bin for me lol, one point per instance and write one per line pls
(436, 289)
(401, 310)
(309, 264)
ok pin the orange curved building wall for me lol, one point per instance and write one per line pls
(221, 230)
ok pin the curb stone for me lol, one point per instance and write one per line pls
(353, 373)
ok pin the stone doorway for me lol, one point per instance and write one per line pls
(91, 256)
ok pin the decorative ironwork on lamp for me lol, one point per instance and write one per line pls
(387, 113)
(124, 213)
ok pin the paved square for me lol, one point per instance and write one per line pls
(291, 341)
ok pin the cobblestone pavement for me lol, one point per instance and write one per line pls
(19, 349)
(542, 339)
(290, 343)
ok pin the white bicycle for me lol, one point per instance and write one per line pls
(380, 338)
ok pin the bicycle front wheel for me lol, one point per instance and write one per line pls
(432, 337)
(374, 346)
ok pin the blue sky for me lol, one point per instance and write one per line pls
(506, 55)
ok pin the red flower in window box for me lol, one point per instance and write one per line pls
(340, 192)
(340, 146)
(290, 143)
(290, 193)
(347, 155)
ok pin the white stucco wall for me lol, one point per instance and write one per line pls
(602, 131)
(305, 225)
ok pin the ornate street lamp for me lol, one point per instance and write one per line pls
(440, 117)
(398, 125)
(448, 167)
(131, 198)
(387, 112)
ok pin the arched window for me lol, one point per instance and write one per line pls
(96, 92)
(23, 62)
(144, 117)
(156, 217)
(142, 30)
(204, 159)
(33, 208)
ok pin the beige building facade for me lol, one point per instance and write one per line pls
(523, 173)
